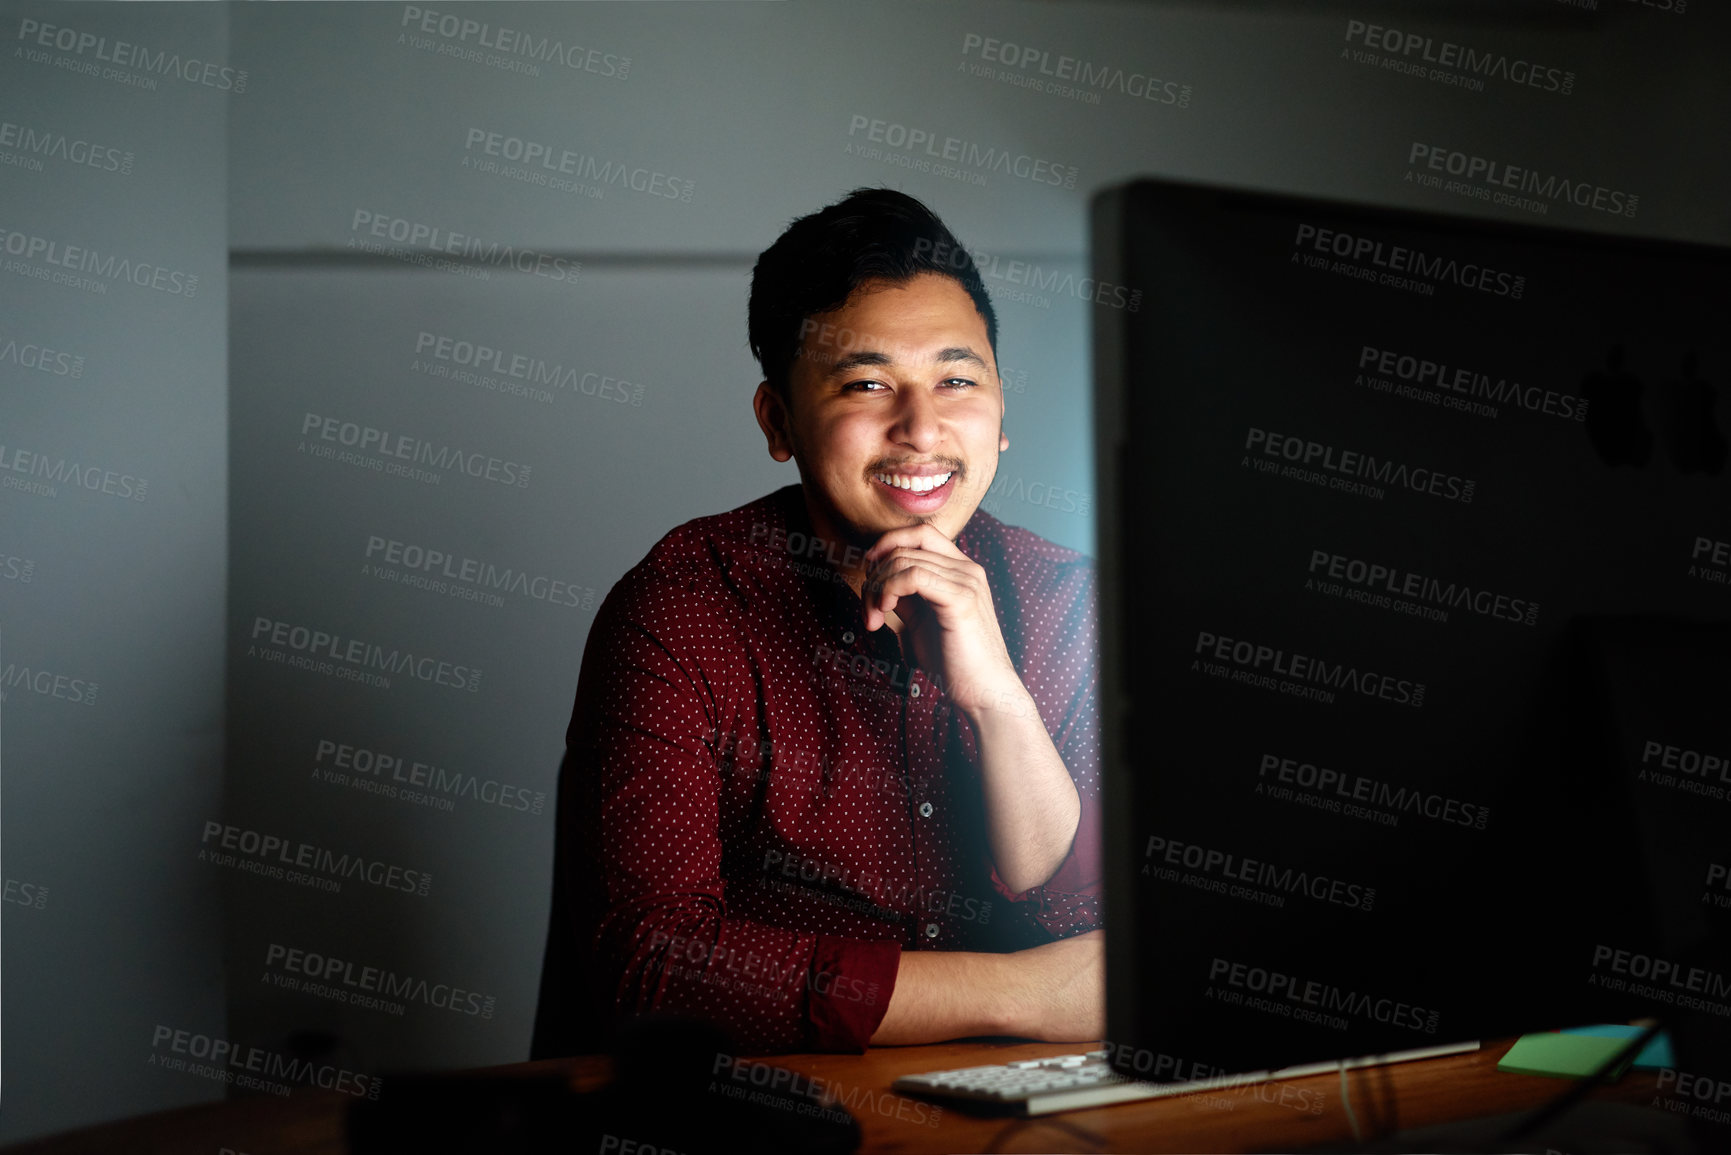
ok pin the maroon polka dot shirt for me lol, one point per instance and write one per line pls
(764, 805)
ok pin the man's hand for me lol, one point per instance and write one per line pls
(1057, 992)
(952, 626)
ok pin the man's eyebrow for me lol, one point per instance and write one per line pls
(943, 357)
(854, 360)
(960, 353)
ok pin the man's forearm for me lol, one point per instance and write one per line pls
(1032, 808)
(946, 995)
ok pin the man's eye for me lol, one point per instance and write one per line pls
(869, 386)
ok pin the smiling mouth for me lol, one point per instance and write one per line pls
(914, 484)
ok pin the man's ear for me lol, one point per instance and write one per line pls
(773, 419)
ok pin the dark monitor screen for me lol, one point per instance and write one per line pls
(1366, 476)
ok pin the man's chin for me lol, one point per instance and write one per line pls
(943, 520)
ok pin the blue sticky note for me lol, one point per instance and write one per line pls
(1656, 1054)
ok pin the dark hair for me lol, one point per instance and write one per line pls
(815, 266)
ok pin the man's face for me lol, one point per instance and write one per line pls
(898, 384)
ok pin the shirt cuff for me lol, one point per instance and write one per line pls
(850, 983)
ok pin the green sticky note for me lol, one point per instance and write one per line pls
(1653, 1056)
(1561, 1056)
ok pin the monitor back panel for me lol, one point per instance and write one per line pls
(1363, 473)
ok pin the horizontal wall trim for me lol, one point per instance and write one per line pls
(344, 258)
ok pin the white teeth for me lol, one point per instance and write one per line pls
(914, 484)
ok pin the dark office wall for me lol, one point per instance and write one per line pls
(408, 824)
(112, 504)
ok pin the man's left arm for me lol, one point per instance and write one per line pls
(1041, 796)
(1034, 809)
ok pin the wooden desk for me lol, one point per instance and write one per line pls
(1270, 1117)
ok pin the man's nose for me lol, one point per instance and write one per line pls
(916, 420)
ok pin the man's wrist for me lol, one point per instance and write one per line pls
(1004, 1010)
(941, 995)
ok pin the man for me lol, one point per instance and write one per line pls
(832, 772)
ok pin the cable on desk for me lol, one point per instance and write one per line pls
(1381, 1102)
(1346, 1104)
(1388, 1095)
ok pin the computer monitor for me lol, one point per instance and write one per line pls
(1370, 484)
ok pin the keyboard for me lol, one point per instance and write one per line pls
(1069, 1082)
(1041, 1086)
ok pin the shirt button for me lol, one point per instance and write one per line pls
(925, 810)
(914, 689)
(847, 638)
(931, 930)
